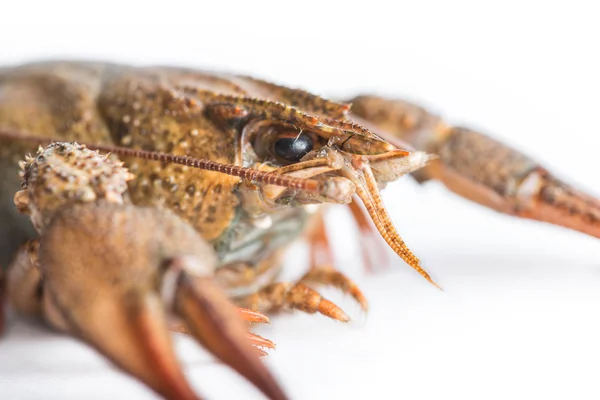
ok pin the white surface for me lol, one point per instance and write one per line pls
(519, 315)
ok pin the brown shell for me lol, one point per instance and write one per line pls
(156, 108)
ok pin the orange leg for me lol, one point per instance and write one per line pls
(247, 315)
(330, 277)
(320, 248)
(372, 250)
(298, 296)
(257, 340)
(321, 271)
(253, 316)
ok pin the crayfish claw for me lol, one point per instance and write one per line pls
(139, 341)
(119, 301)
(215, 323)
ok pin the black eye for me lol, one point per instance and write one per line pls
(293, 147)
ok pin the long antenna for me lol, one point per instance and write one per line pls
(265, 177)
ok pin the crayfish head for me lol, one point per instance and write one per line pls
(283, 139)
(343, 157)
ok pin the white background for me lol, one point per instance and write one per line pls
(519, 315)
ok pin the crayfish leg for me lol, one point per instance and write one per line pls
(292, 296)
(329, 276)
(318, 242)
(258, 341)
(371, 247)
(253, 316)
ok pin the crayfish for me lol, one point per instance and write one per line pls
(163, 199)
